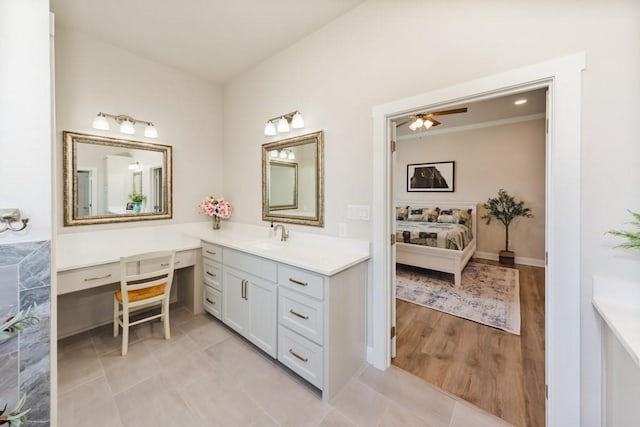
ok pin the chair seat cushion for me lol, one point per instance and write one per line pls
(142, 294)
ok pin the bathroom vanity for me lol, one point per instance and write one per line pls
(302, 302)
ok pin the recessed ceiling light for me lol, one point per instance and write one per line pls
(520, 101)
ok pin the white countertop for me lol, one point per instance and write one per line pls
(618, 302)
(325, 255)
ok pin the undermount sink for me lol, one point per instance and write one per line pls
(267, 244)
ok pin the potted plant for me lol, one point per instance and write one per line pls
(137, 199)
(632, 238)
(505, 209)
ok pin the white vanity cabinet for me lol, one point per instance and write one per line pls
(321, 325)
(212, 279)
(250, 295)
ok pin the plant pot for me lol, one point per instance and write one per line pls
(137, 207)
(507, 257)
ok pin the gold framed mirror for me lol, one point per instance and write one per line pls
(293, 180)
(109, 180)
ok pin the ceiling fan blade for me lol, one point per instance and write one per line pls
(454, 111)
(434, 121)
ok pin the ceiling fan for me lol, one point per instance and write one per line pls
(427, 120)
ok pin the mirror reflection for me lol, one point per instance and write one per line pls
(292, 181)
(114, 180)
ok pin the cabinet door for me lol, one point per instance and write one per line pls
(263, 299)
(235, 308)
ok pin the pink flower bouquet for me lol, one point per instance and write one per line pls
(216, 207)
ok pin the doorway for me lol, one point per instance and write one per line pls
(562, 307)
(87, 191)
(481, 340)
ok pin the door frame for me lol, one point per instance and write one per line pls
(563, 77)
(93, 173)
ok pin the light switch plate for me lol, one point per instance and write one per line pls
(359, 212)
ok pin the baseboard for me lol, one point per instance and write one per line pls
(519, 260)
(370, 355)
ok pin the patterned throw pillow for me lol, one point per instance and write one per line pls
(402, 213)
(431, 214)
(446, 216)
(416, 214)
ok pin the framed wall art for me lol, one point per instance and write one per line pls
(431, 177)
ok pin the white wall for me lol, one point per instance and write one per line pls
(378, 53)
(93, 76)
(510, 156)
(25, 116)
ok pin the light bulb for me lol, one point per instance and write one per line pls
(150, 131)
(127, 127)
(296, 121)
(100, 122)
(413, 126)
(428, 123)
(291, 156)
(283, 154)
(270, 129)
(274, 153)
(283, 125)
(419, 122)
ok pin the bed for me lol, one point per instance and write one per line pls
(437, 236)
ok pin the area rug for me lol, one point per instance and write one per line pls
(488, 294)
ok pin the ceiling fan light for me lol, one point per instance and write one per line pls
(413, 126)
(150, 131)
(419, 122)
(100, 122)
(297, 122)
(126, 127)
(427, 124)
(270, 129)
(283, 125)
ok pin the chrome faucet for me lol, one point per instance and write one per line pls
(284, 235)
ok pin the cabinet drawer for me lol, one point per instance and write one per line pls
(89, 277)
(211, 251)
(260, 267)
(212, 301)
(300, 355)
(301, 314)
(301, 280)
(212, 273)
(183, 259)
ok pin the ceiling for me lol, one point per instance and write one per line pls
(490, 110)
(213, 39)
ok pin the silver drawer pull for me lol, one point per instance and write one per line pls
(209, 252)
(166, 264)
(97, 278)
(211, 274)
(302, 316)
(210, 302)
(296, 355)
(297, 282)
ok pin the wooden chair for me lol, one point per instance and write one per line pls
(145, 282)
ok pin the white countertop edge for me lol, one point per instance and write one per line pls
(618, 303)
(184, 237)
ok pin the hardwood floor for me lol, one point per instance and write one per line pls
(497, 371)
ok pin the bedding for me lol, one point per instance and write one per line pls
(442, 234)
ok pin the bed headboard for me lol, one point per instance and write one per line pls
(446, 205)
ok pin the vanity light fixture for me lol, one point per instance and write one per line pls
(282, 154)
(127, 124)
(284, 124)
(134, 166)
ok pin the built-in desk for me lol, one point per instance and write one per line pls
(88, 272)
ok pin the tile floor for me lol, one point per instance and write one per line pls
(206, 375)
